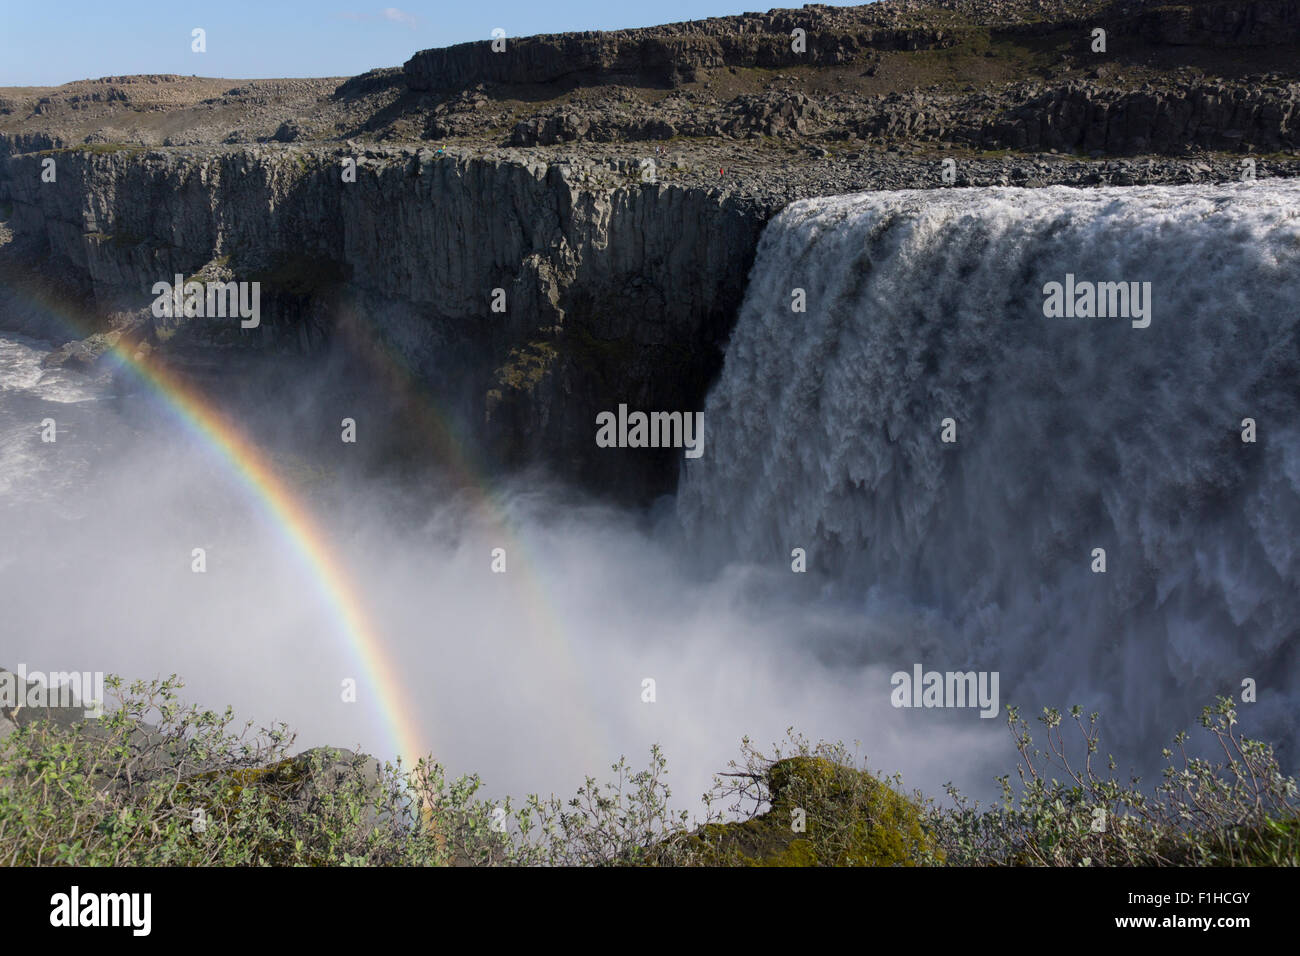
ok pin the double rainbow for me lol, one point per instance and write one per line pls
(307, 540)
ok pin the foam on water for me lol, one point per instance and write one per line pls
(1073, 434)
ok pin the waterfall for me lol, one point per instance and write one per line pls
(1073, 432)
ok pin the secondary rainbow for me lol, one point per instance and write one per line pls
(410, 739)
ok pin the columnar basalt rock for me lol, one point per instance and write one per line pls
(627, 290)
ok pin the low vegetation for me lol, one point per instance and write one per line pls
(155, 783)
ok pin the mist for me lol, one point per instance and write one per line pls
(532, 678)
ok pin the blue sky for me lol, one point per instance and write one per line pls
(47, 42)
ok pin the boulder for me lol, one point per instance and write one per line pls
(849, 818)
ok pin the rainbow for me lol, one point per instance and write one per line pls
(300, 529)
(255, 471)
(297, 525)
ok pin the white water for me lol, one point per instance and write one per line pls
(26, 388)
(1073, 433)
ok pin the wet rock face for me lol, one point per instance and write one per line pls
(611, 290)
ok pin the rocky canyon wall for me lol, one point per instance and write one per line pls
(614, 290)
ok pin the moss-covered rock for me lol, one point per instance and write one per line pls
(526, 367)
(849, 818)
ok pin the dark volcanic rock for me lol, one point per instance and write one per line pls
(1079, 116)
(675, 53)
(668, 55)
(288, 132)
(1219, 24)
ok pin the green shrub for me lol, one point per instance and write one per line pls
(1239, 811)
(153, 783)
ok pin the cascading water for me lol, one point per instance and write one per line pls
(1072, 434)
